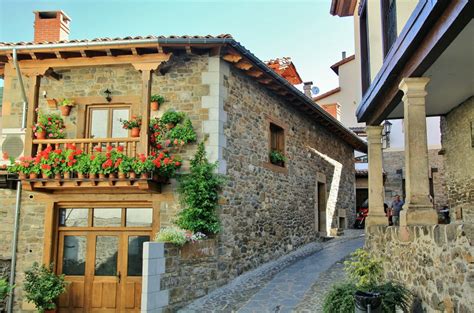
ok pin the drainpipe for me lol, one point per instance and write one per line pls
(18, 190)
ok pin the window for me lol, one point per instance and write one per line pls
(106, 217)
(277, 145)
(364, 47)
(389, 24)
(104, 122)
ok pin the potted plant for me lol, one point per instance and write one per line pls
(277, 158)
(156, 101)
(142, 165)
(124, 166)
(170, 118)
(82, 166)
(183, 133)
(43, 287)
(65, 106)
(133, 124)
(49, 126)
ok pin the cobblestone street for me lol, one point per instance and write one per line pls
(294, 283)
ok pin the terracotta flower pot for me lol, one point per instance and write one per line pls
(92, 176)
(144, 176)
(111, 176)
(170, 126)
(101, 176)
(80, 175)
(65, 110)
(21, 176)
(122, 175)
(135, 132)
(50, 311)
(57, 176)
(155, 106)
(40, 135)
(67, 175)
(132, 175)
(44, 175)
(33, 176)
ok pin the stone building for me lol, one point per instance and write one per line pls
(240, 107)
(424, 67)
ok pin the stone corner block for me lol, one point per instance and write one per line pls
(153, 250)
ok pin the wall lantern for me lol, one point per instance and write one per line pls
(107, 95)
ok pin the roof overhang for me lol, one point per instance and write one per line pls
(65, 53)
(342, 7)
(335, 66)
(430, 30)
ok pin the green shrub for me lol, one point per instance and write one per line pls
(199, 191)
(184, 132)
(172, 235)
(172, 117)
(363, 270)
(394, 295)
(5, 289)
(340, 299)
(42, 286)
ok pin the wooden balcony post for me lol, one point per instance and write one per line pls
(32, 115)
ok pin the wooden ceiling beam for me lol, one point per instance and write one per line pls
(58, 55)
(51, 73)
(254, 73)
(33, 56)
(232, 58)
(265, 81)
(243, 65)
(134, 51)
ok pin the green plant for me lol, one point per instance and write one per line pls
(340, 299)
(171, 234)
(394, 295)
(5, 289)
(277, 157)
(52, 124)
(172, 117)
(66, 102)
(183, 133)
(83, 163)
(42, 286)
(363, 270)
(199, 191)
(142, 164)
(157, 98)
(134, 122)
(125, 164)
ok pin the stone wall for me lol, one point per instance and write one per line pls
(435, 262)
(266, 213)
(394, 164)
(459, 158)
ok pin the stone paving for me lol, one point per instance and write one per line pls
(281, 285)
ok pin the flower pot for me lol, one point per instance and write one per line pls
(65, 110)
(50, 311)
(144, 176)
(92, 176)
(155, 106)
(132, 175)
(21, 176)
(101, 176)
(135, 132)
(170, 125)
(111, 176)
(40, 135)
(80, 175)
(33, 176)
(57, 176)
(44, 175)
(122, 175)
(52, 103)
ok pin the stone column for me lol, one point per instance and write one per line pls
(376, 192)
(418, 210)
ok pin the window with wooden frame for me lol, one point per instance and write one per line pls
(364, 47)
(277, 145)
(104, 121)
(389, 24)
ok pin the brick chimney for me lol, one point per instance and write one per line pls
(307, 88)
(51, 26)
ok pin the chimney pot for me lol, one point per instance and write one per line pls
(343, 55)
(51, 26)
(307, 88)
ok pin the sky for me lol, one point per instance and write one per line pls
(301, 29)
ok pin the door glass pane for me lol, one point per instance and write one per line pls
(73, 217)
(99, 123)
(107, 217)
(106, 251)
(139, 217)
(135, 255)
(74, 255)
(117, 129)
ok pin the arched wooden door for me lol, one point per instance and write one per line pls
(101, 258)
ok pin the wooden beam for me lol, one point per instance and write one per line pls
(216, 51)
(97, 61)
(51, 73)
(33, 55)
(49, 233)
(2, 71)
(109, 53)
(83, 54)
(134, 51)
(265, 81)
(188, 50)
(232, 58)
(254, 73)
(58, 55)
(145, 110)
(243, 65)
(31, 115)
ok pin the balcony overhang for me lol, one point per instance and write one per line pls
(433, 32)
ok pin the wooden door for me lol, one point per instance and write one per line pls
(103, 270)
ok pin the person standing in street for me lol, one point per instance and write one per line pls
(396, 207)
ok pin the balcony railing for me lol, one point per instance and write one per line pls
(129, 144)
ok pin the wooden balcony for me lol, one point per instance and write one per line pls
(151, 184)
